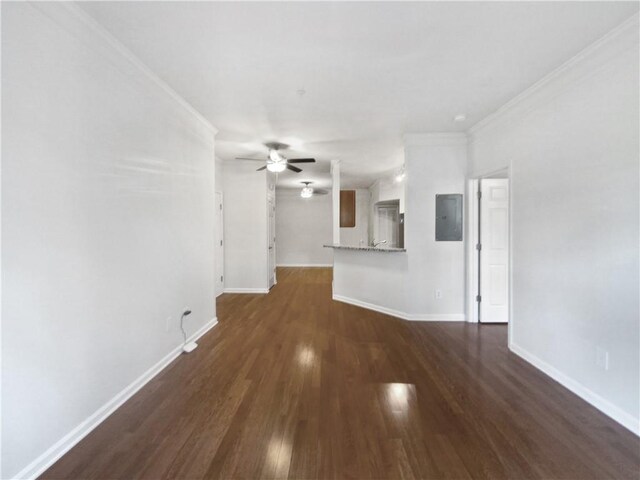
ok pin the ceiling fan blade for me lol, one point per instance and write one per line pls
(294, 169)
(261, 168)
(301, 160)
(320, 191)
(252, 159)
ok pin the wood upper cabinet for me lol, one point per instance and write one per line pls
(347, 208)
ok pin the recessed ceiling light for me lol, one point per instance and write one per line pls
(461, 117)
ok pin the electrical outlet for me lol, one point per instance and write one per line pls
(602, 358)
(168, 324)
(438, 294)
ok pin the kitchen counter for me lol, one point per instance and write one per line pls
(366, 248)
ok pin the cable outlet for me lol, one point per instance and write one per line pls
(438, 294)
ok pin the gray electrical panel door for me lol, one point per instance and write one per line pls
(449, 217)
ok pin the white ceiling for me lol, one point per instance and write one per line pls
(371, 71)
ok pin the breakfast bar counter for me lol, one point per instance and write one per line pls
(366, 248)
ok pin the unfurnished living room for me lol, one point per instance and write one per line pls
(320, 240)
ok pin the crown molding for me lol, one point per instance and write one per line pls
(73, 19)
(435, 139)
(588, 61)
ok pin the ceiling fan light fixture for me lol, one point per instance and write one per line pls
(277, 167)
(275, 157)
(307, 191)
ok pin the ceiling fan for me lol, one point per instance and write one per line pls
(308, 192)
(276, 162)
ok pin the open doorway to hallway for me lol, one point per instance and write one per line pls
(489, 265)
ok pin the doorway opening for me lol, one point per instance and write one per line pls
(489, 249)
(388, 227)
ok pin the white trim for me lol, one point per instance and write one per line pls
(66, 443)
(424, 317)
(473, 183)
(511, 316)
(369, 306)
(436, 317)
(215, 193)
(581, 65)
(1, 430)
(246, 290)
(443, 138)
(305, 265)
(606, 407)
(78, 20)
(472, 252)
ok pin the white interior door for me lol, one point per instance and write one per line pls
(494, 251)
(272, 243)
(219, 246)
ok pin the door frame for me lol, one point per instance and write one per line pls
(271, 232)
(473, 230)
(386, 204)
(218, 226)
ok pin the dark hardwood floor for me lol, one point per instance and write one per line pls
(295, 385)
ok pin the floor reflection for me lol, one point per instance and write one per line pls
(397, 398)
(306, 356)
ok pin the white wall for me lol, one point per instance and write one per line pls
(335, 200)
(219, 175)
(359, 233)
(404, 284)
(383, 190)
(107, 225)
(375, 280)
(303, 226)
(245, 227)
(572, 145)
(436, 164)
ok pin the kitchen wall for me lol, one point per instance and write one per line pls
(572, 147)
(404, 284)
(387, 189)
(107, 228)
(303, 226)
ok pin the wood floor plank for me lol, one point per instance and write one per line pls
(294, 385)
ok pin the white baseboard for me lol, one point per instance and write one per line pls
(422, 317)
(246, 290)
(370, 306)
(436, 317)
(66, 443)
(605, 406)
(305, 265)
